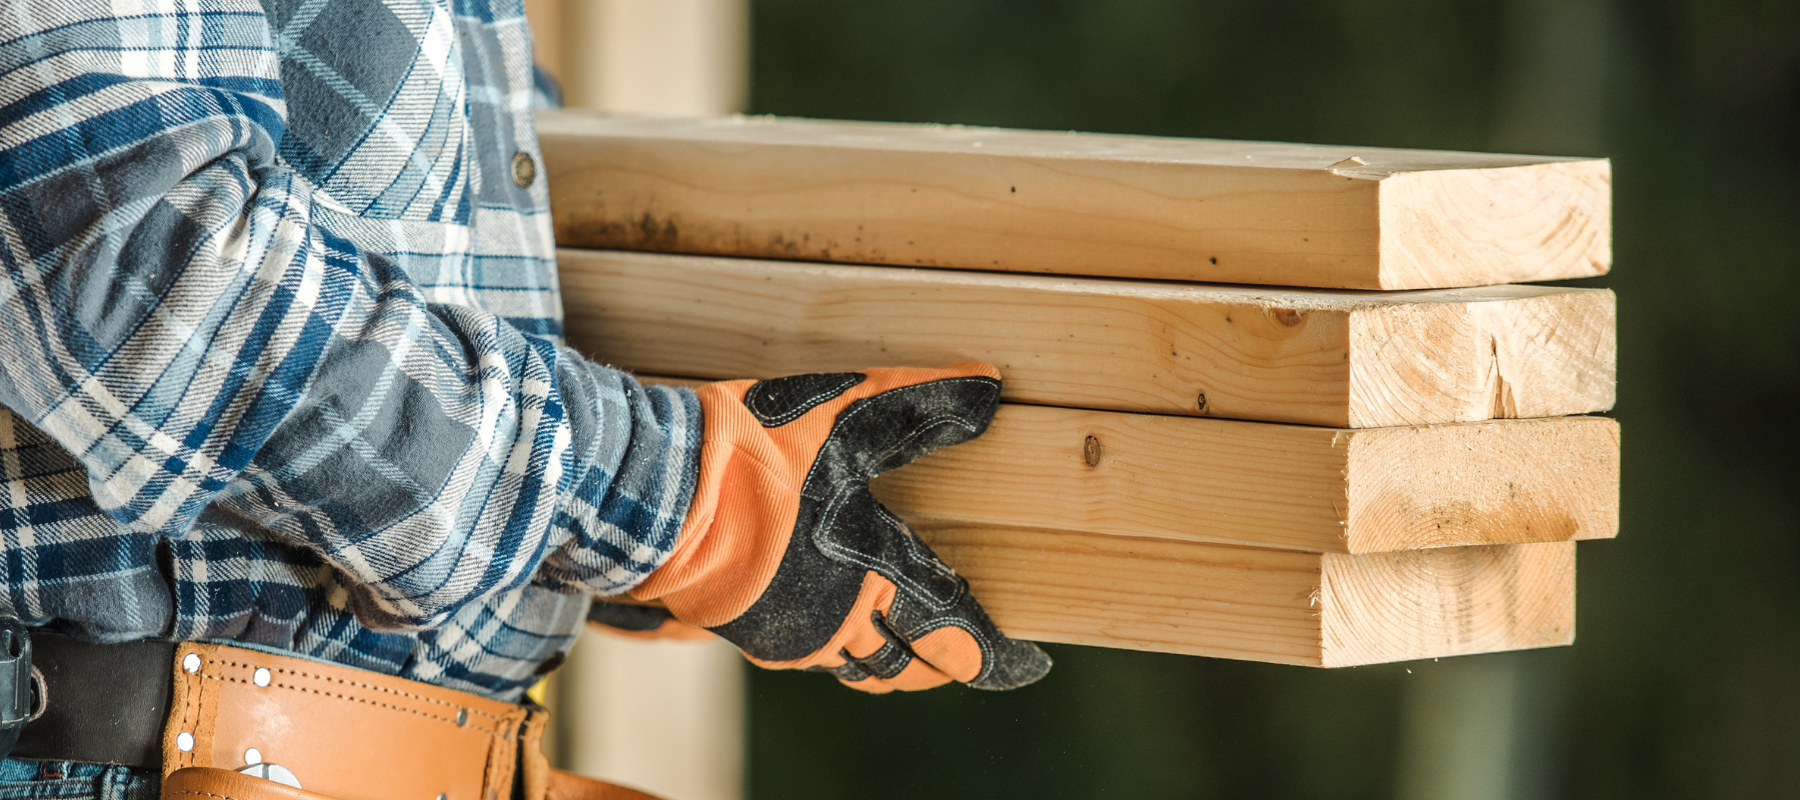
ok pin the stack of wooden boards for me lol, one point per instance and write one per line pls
(1253, 408)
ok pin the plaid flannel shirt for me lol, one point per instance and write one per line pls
(280, 351)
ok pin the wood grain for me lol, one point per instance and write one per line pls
(1078, 204)
(1286, 487)
(1344, 359)
(1325, 610)
(1273, 486)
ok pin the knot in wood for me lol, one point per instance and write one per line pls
(1090, 451)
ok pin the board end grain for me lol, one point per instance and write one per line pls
(1385, 607)
(1477, 227)
(1501, 352)
(1519, 481)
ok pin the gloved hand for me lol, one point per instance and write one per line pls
(787, 555)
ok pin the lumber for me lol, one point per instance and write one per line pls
(1264, 485)
(1274, 486)
(1311, 609)
(1256, 604)
(1321, 357)
(1329, 216)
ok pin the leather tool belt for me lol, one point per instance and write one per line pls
(228, 722)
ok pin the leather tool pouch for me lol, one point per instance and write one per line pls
(344, 733)
(347, 734)
(15, 680)
(209, 783)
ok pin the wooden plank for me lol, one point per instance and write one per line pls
(1254, 484)
(1326, 610)
(1276, 486)
(1345, 359)
(1079, 204)
(1260, 604)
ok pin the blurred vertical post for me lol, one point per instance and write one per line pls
(663, 716)
(683, 58)
(1485, 727)
(667, 717)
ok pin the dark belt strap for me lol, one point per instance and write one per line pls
(102, 703)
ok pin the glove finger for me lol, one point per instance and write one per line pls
(964, 643)
(1010, 664)
(947, 410)
(923, 411)
(917, 677)
(887, 658)
(864, 653)
(931, 609)
(892, 666)
(851, 635)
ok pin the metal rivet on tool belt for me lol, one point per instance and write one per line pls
(443, 796)
(191, 662)
(252, 756)
(462, 717)
(524, 169)
(184, 741)
(261, 677)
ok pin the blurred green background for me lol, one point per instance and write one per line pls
(1685, 678)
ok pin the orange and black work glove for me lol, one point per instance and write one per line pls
(787, 555)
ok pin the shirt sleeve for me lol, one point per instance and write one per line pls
(182, 313)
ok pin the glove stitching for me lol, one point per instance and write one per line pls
(922, 557)
(808, 404)
(860, 559)
(835, 503)
(928, 626)
(917, 553)
(920, 431)
(888, 650)
(862, 405)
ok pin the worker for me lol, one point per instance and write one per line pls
(289, 437)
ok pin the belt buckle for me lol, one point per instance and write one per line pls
(15, 680)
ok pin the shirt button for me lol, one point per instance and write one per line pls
(524, 169)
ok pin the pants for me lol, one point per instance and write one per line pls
(68, 780)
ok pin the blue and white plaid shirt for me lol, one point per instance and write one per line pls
(280, 342)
